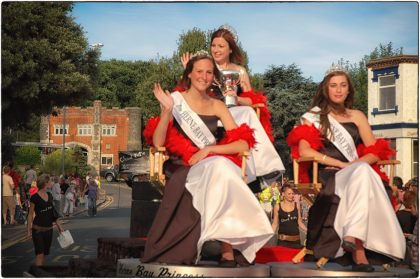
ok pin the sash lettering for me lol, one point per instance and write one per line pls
(341, 139)
(191, 123)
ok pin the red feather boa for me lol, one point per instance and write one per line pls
(312, 135)
(265, 114)
(180, 146)
(380, 149)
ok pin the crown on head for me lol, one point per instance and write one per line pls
(335, 68)
(231, 30)
(201, 53)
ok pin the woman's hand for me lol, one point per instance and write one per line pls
(60, 228)
(185, 58)
(199, 155)
(164, 98)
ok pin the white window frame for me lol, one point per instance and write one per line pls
(58, 129)
(107, 156)
(109, 129)
(384, 87)
(84, 130)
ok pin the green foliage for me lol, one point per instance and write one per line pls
(289, 95)
(53, 162)
(192, 41)
(44, 60)
(166, 71)
(80, 162)
(117, 81)
(27, 155)
(257, 82)
(7, 150)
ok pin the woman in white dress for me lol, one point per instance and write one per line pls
(353, 211)
(205, 197)
(264, 161)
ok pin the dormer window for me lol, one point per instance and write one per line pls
(387, 92)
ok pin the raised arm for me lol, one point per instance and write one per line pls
(166, 105)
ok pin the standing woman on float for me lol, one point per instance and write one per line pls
(264, 162)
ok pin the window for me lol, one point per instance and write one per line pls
(387, 92)
(58, 130)
(107, 146)
(84, 130)
(106, 159)
(109, 130)
(415, 171)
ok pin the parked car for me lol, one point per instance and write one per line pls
(133, 166)
(111, 173)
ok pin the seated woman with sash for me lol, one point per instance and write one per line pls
(264, 162)
(353, 211)
(205, 197)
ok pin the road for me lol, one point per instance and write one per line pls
(112, 220)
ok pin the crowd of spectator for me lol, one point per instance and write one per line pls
(68, 193)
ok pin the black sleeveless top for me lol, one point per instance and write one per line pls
(288, 225)
(288, 222)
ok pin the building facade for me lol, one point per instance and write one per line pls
(393, 108)
(99, 131)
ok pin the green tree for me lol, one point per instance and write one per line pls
(45, 60)
(118, 80)
(53, 162)
(289, 95)
(80, 162)
(27, 155)
(192, 41)
(166, 71)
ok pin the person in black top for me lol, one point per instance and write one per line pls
(407, 217)
(40, 227)
(287, 218)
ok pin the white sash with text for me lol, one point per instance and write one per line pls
(191, 123)
(338, 135)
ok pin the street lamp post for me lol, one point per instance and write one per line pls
(64, 140)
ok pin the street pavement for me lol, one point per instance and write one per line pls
(11, 235)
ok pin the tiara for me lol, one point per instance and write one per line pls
(335, 68)
(201, 53)
(231, 30)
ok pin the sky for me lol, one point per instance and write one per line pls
(312, 35)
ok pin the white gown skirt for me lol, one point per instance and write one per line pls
(365, 212)
(229, 210)
(264, 158)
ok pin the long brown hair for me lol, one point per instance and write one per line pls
(190, 65)
(322, 100)
(236, 55)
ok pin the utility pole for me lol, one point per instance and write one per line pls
(64, 140)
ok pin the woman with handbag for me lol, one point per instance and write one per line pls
(40, 227)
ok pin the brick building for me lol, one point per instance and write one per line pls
(99, 131)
